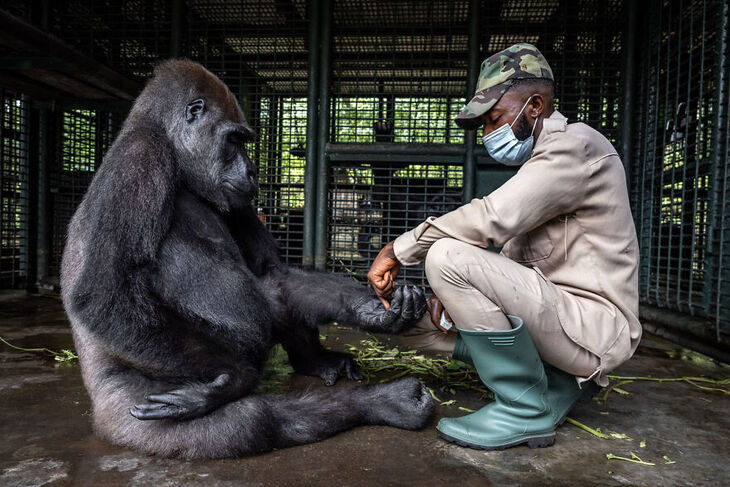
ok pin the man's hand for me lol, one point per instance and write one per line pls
(383, 272)
(435, 307)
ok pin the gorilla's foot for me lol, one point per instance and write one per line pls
(404, 404)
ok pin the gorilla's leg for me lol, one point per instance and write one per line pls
(256, 423)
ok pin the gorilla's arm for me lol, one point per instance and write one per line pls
(314, 297)
(317, 298)
(203, 288)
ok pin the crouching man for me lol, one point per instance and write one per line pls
(557, 307)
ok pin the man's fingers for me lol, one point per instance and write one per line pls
(385, 302)
(436, 308)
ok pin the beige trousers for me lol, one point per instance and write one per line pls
(478, 287)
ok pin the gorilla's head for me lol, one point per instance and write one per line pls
(206, 129)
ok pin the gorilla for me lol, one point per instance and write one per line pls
(176, 293)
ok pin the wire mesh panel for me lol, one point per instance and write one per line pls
(398, 75)
(13, 189)
(257, 47)
(673, 178)
(722, 298)
(129, 35)
(402, 63)
(582, 42)
(84, 137)
(372, 203)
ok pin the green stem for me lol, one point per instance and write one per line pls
(638, 460)
(586, 428)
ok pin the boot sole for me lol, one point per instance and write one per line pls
(537, 442)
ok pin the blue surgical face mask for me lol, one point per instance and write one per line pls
(505, 147)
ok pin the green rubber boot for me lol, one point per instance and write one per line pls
(563, 392)
(507, 363)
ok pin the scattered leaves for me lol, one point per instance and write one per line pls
(373, 357)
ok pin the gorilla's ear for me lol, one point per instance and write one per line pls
(194, 110)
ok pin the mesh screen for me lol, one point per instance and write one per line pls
(672, 179)
(398, 75)
(13, 189)
(722, 299)
(19, 8)
(371, 204)
(257, 47)
(128, 35)
(84, 137)
(582, 42)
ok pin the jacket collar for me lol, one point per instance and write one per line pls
(556, 122)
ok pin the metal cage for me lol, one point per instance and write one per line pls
(353, 102)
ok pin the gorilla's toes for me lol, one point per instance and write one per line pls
(405, 403)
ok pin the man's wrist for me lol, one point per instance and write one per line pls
(406, 249)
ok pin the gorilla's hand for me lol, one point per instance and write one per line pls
(191, 401)
(330, 366)
(407, 307)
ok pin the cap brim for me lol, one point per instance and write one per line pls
(470, 117)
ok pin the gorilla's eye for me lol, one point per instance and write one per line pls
(233, 145)
(194, 110)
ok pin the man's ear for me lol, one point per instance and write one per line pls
(538, 105)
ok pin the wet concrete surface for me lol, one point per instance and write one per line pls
(47, 438)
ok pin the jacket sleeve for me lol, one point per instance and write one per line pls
(553, 182)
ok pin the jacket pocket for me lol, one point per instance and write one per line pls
(532, 246)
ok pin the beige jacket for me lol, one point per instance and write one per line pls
(566, 214)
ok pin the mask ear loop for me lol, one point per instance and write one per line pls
(520, 114)
(534, 124)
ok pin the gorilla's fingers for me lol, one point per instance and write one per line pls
(397, 303)
(419, 298)
(408, 306)
(352, 372)
(162, 411)
(330, 377)
(149, 407)
(174, 397)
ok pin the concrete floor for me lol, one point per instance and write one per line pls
(47, 440)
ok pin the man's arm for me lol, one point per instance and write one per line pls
(552, 183)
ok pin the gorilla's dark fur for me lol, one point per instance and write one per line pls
(176, 293)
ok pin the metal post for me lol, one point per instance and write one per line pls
(310, 171)
(320, 243)
(629, 82)
(24, 177)
(41, 216)
(469, 189)
(176, 35)
(718, 123)
(32, 186)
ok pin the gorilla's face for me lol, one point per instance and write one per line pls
(212, 139)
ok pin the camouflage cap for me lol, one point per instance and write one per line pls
(497, 74)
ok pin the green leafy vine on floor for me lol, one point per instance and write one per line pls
(63, 355)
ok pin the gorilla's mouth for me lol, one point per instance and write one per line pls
(242, 188)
